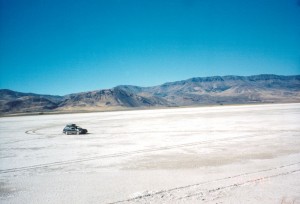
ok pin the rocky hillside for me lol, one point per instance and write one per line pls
(194, 91)
(117, 97)
(12, 101)
(228, 90)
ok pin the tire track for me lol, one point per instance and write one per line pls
(244, 183)
(34, 131)
(201, 193)
(121, 154)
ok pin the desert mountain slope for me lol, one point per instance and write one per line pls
(117, 96)
(228, 89)
(194, 91)
(12, 101)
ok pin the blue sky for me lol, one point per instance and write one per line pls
(68, 46)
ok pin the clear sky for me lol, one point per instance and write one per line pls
(68, 46)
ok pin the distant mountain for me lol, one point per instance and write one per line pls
(116, 97)
(12, 101)
(190, 92)
(227, 90)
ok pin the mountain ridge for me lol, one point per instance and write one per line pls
(229, 89)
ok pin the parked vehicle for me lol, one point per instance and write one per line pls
(74, 129)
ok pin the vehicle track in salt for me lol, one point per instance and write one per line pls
(124, 154)
(204, 192)
(35, 131)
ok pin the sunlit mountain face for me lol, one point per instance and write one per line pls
(216, 90)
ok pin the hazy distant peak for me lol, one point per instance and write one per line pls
(231, 89)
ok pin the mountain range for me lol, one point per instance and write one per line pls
(216, 90)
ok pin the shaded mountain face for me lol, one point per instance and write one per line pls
(117, 97)
(12, 101)
(230, 89)
(194, 91)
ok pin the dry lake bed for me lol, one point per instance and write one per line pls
(224, 154)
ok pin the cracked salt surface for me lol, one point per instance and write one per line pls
(228, 154)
